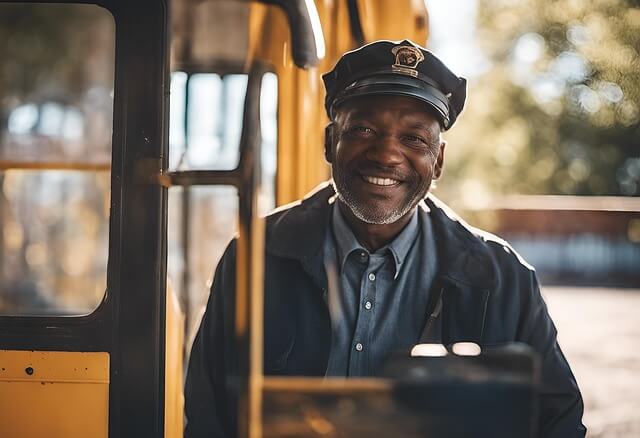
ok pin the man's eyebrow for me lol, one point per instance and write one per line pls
(419, 125)
(423, 126)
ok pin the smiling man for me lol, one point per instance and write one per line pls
(372, 263)
(385, 151)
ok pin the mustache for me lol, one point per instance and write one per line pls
(382, 171)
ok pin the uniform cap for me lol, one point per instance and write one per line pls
(396, 68)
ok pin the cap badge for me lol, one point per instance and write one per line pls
(407, 60)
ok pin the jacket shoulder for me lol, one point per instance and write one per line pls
(321, 192)
(483, 242)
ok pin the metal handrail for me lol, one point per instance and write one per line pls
(247, 382)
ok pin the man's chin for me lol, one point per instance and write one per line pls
(378, 220)
(370, 214)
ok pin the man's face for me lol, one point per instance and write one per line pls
(384, 152)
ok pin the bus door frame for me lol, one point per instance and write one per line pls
(129, 323)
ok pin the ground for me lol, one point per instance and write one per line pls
(599, 331)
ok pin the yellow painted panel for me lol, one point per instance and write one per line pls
(301, 119)
(54, 394)
(173, 395)
(397, 20)
(301, 115)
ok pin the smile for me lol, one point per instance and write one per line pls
(380, 181)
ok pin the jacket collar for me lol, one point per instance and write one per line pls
(297, 231)
(463, 249)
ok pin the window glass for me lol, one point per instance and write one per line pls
(215, 107)
(202, 220)
(56, 111)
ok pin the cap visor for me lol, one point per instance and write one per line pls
(397, 85)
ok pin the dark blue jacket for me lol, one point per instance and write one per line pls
(490, 296)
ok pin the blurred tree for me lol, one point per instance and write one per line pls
(557, 110)
(61, 54)
(45, 53)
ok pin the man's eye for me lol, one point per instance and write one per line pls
(361, 130)
(415, 139)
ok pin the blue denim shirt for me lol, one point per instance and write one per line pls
(377, 301)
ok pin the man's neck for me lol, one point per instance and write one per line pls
(373, 236)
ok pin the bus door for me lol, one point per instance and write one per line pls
(83, 112)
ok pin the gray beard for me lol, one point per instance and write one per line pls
(365, 212)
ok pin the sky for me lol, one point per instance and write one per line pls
(452, 27)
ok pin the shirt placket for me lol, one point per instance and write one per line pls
(359, 362)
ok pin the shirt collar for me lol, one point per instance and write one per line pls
(346, 241)
(401, 245)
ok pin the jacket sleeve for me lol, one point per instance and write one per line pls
(209, 410)
(561, 406)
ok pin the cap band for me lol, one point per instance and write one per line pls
(390, 83)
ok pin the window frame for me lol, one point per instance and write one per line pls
(129, 323)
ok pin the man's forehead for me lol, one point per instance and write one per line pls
(411, 110)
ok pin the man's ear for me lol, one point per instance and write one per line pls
(328, 142)
(439, 164)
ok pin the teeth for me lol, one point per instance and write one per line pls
(380, 181)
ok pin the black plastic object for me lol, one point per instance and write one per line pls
(491, 395)
(303, 38)
(356, 25)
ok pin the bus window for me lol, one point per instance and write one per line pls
(56, 111)
(205, 130)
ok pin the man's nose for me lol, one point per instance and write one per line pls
(386, 150)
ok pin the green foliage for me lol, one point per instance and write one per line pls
(557, 111)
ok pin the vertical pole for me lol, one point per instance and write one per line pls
(185, 227)
(2, 223)
(4, 119)
(250, 269)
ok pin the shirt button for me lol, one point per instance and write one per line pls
(359, 346)
(363, 255)
(367, 305)
(372, 276)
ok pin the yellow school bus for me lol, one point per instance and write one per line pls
(92, 335)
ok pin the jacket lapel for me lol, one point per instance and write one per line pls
(466, 279)
(298, 232)
(457, 314)
(463, 314)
